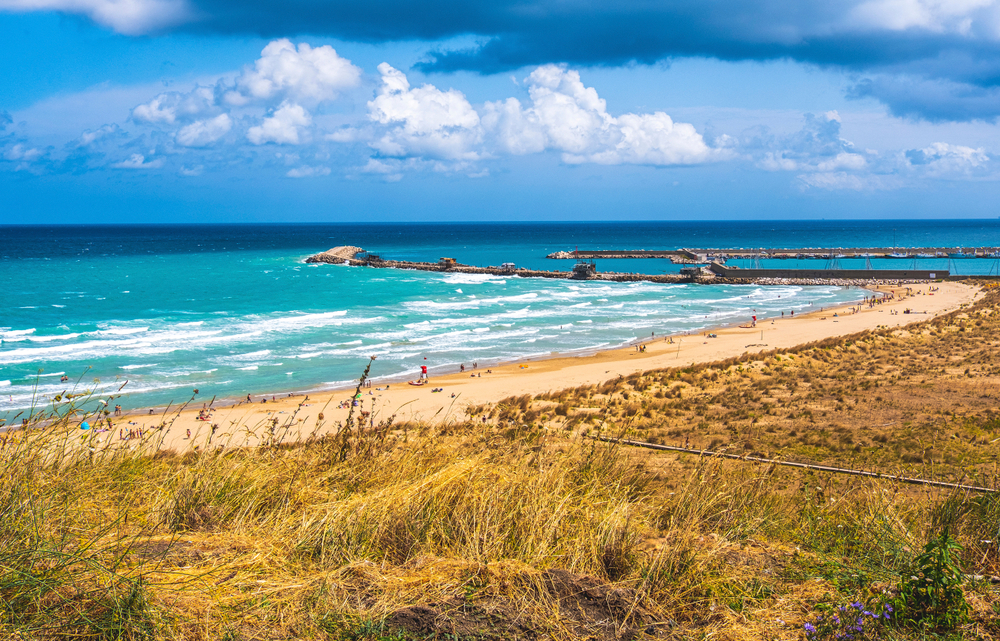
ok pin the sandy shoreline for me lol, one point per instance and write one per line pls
(244, 423)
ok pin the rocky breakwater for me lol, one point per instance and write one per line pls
(336, 256)
(838, 282)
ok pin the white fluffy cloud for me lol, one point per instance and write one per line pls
(839, 180)
(937, 16)
(91, 136)
(22, 153)
(284, 126)
(305, 171)
(304, 74)
(424, 121)
(202, 133)
(130, 17)
(138, 161)
(173, 106)
(942, 160)
(816, 147)
(569, 117)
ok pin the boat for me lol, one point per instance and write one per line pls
(899, 255)
(926, 256)
(960, 254)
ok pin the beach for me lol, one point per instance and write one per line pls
(295, 417)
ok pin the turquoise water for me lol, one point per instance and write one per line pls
(234, 310)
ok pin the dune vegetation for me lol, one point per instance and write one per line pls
(516, 524)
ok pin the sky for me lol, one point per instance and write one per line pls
(131, 111)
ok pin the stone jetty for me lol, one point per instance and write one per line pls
(357, 256)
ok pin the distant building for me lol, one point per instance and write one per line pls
(508, 267)
(584, 270)
(445, 262)
(690, 272)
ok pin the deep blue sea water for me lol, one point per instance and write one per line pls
(232, 309)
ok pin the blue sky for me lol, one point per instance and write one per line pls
(215, 110)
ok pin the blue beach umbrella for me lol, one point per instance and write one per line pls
(85, 425)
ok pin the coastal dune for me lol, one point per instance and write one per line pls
(298, 416)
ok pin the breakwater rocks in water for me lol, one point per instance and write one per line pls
(337, 255)
(357, 256)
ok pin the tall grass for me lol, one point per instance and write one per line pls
(333, 535)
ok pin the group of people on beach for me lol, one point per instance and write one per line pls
(130, 433)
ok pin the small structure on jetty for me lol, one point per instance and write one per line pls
(447, 263)
(584, 270)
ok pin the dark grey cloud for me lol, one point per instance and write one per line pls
(918, 39)
(936, 100)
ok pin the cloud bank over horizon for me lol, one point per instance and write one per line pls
(926, 59)
(279, 113)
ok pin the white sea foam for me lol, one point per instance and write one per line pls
(53, 337)
(4, 383)
(120, 331)
(128, 367)
(474, 279)
(249, 368)
(16, 334)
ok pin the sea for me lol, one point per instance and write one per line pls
(153, 312)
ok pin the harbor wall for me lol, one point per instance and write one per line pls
(852, 274)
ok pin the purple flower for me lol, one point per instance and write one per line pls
(888, 608)
(810, 628)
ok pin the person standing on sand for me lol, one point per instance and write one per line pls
(423, 372)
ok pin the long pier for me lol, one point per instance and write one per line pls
(685, 255)
(715, 273)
